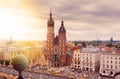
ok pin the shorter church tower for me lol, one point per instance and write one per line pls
(62, 45)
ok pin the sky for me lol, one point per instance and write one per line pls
(83, 19)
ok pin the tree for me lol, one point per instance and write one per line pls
(109, 45)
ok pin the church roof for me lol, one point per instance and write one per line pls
(75, 48)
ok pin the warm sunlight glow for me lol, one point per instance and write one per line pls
(21, 25)
(20, 19)
(12, 23)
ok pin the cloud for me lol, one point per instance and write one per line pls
(84, 17)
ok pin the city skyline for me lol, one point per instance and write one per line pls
(84, 19)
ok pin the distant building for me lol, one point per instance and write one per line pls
(90, 59)
(111, 40)
(56, 46)
(109, 64)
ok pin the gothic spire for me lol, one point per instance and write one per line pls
(50, 13)
(50, 21)
(62, 28)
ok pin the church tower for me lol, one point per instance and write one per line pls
(50, 39)
(62, 45)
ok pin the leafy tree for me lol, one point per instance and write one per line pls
(109, 45)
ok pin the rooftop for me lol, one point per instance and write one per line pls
(91, 50)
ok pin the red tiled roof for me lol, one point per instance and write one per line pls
(75, 48)
(107, 49)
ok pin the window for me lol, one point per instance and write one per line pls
(75, 58)
(115, 62)
(103, 66)
(90, 55)
(103, 71)
(90, 61)
(115, 66)
(103, 57)
(103, 61)
(115, 58)
(111, 61)
(107, 66)
(75, 62)
(107, 61)
(90, 64)
(111, 66)
(83, 61)
(87, 58)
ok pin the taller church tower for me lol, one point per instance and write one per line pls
(50, 39)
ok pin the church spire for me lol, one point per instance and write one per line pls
(62, 23)
(50, 13)
(50, 21)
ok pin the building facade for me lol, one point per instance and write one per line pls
(90, 59)
(76, 57)
(109, 64)
(56, 46)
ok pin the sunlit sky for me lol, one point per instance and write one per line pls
(84, 19)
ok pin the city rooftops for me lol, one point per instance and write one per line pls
(91, 50)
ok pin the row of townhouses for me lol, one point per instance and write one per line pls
(96, 59)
